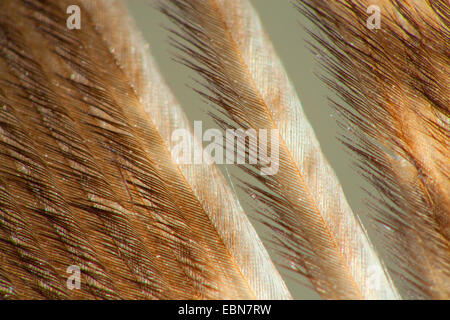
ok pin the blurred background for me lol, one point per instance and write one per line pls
(283, 24)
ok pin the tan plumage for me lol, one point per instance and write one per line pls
(318, 233)
(395, 81)
(87, 178)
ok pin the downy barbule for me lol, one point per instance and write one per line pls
(88, 181)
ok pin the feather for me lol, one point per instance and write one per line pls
(318, 234)
(87, 179)
(394, 82)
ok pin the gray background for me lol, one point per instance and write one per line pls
(283, 24)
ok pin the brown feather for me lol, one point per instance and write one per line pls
(317, 232)
(88, 180)
(395, 84)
